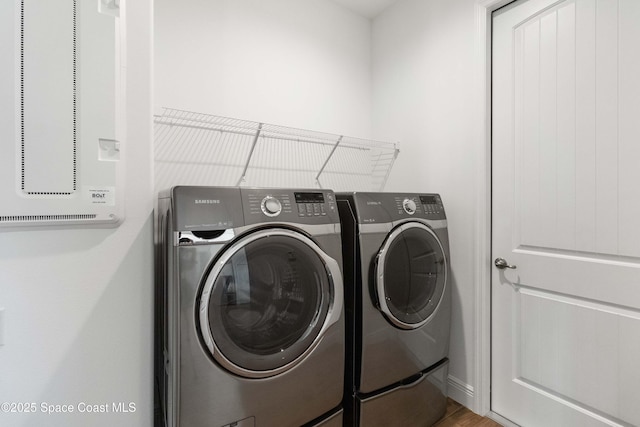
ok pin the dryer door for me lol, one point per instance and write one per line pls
(267, 301)
(411, 275)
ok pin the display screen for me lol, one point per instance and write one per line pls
(429, 200)
(309, 197)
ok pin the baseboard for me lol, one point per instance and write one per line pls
(460, 391)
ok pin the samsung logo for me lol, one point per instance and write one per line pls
(374, 203)
(207, 202)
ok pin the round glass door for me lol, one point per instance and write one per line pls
(411, 275)
(266, 301)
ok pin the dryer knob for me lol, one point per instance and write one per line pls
(409, 206)
(271, 206)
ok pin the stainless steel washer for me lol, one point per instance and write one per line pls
(398, 305)
(250, 325)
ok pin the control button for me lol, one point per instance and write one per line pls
(409, 206)
(271, 206)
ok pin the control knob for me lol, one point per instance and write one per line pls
(409, 206)
(271, 206)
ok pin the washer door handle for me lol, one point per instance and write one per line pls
(502, 263)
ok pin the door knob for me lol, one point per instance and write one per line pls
(502, 263)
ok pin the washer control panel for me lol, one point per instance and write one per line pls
(304, 206)
(313, 204)
(432, 205)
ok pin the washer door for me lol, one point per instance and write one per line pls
(267, 302)
(411, 275)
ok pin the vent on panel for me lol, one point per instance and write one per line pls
(44, 218)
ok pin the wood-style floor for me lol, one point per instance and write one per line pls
(459, 416)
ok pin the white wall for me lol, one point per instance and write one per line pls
(423, 62)
(296, 63)
(78, 302)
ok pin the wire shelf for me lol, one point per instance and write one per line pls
(202, 149)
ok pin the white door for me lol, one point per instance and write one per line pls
(566, 213)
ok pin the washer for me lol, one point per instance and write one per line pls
(398, 305)
(250, 324)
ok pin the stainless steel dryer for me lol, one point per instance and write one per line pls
(398, 305)
(250, 325)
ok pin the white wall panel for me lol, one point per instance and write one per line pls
(64, 114)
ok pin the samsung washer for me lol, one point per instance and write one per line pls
(250, 325)
(398, 305)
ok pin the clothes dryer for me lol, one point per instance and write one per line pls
(250, 325)
(398, 305)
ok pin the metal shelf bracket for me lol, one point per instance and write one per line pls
(253, 147)
(324, 165)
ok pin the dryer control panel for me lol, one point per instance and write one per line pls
(427, 206)
(294, 206)
(388, 207)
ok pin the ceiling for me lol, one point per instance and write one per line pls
(367, 8)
